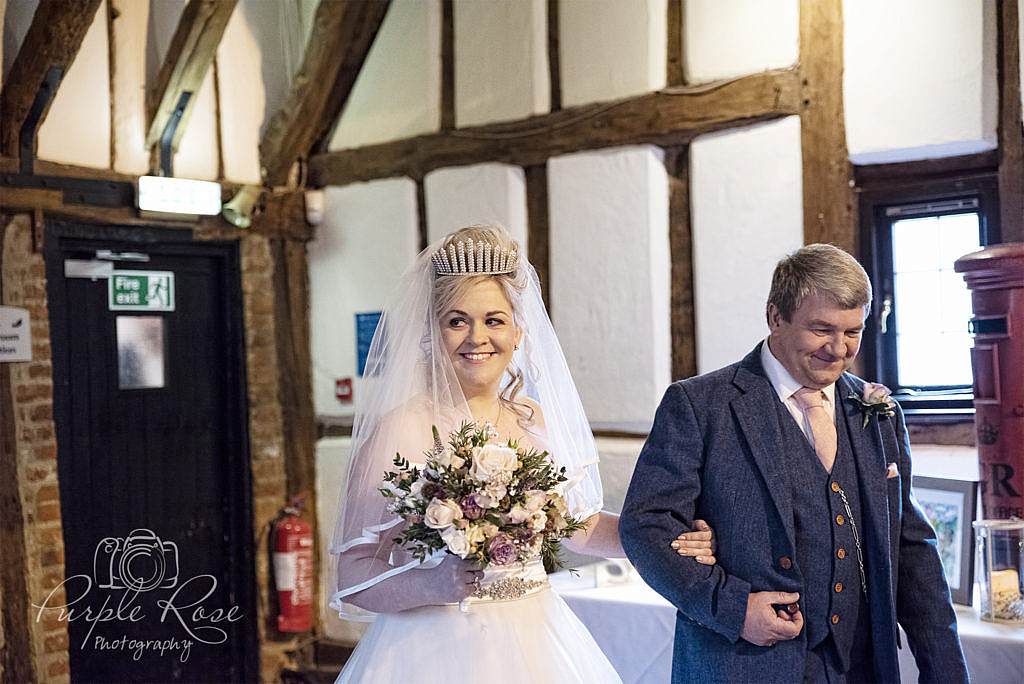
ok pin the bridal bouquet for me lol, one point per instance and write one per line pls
(494, 503)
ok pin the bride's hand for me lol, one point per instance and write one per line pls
(700, 544)
(453, 580)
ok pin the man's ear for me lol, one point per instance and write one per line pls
(774, 317)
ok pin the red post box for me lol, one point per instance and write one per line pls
(995, 276)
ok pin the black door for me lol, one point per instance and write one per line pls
(152, 458)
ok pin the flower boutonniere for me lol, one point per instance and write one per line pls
(875, 400)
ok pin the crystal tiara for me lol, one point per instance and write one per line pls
(467, 257)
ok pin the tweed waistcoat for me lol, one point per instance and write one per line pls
(826, 552)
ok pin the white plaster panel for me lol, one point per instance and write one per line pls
(919, 79)
(198, 154)
(163, 21)
(76, 130)
(332, 456)
(398, 91)
(368, 238)
(501, 60)
(128, 42)
(279, 33)
(746, 212)
(728, 38)
(482, 193)
(610, 49)
(242, 101)
(609, 264)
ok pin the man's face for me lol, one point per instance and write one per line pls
(820, 341)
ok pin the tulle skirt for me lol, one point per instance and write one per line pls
(536, 639)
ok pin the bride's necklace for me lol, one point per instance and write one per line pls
(496, 417)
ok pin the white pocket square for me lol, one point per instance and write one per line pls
(891, 471)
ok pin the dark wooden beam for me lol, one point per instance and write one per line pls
(554, 57)
(1011, 131)
(680, 240)
(189, 56)
(112, 14)
(343, 31)
(670, 117)
(874, 176)
(829, 205)
(52, 41)
(291, 323)
(421, 214)
(538, 228)
(674, 48)
(447, 65)
(282, 216)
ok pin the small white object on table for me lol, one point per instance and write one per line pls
(635, 627)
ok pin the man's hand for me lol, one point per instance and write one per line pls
(763, 625)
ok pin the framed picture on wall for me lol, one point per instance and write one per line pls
(950, 506)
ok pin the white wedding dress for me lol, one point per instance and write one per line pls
(532, 639)
(410, 387)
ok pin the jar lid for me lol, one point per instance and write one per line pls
(1014, 524)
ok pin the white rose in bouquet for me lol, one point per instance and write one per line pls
(535, 500)
(456, 541)
(441, 515)
(519, 514)
(538, 520)
(496, 491)
(493, 462)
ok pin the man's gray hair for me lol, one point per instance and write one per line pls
(822, 269)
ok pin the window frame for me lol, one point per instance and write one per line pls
(878, 194)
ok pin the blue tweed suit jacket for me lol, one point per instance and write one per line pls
(714, 453)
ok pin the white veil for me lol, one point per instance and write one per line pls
(409, 384)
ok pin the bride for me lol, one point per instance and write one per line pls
(467, 338)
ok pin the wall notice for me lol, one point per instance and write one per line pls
(15, 334)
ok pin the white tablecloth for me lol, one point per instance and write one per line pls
(635, 627)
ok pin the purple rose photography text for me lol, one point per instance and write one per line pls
(127, 570)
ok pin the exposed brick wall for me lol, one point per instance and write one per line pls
(36, 486)
(266, 437)
(24, 281)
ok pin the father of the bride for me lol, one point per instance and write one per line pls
(803, 472)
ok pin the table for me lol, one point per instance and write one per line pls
(635, 627)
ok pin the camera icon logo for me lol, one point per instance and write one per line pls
(140, 562)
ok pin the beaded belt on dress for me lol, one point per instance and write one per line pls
(509, 583)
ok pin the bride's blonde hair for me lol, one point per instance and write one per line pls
(450, 288)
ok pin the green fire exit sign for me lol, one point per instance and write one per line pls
(141, 291)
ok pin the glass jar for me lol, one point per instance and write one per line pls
(1000, 562)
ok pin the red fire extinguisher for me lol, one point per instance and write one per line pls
(293, 569)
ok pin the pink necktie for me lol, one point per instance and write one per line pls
(823, 428)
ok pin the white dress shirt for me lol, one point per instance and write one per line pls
(786, 386)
